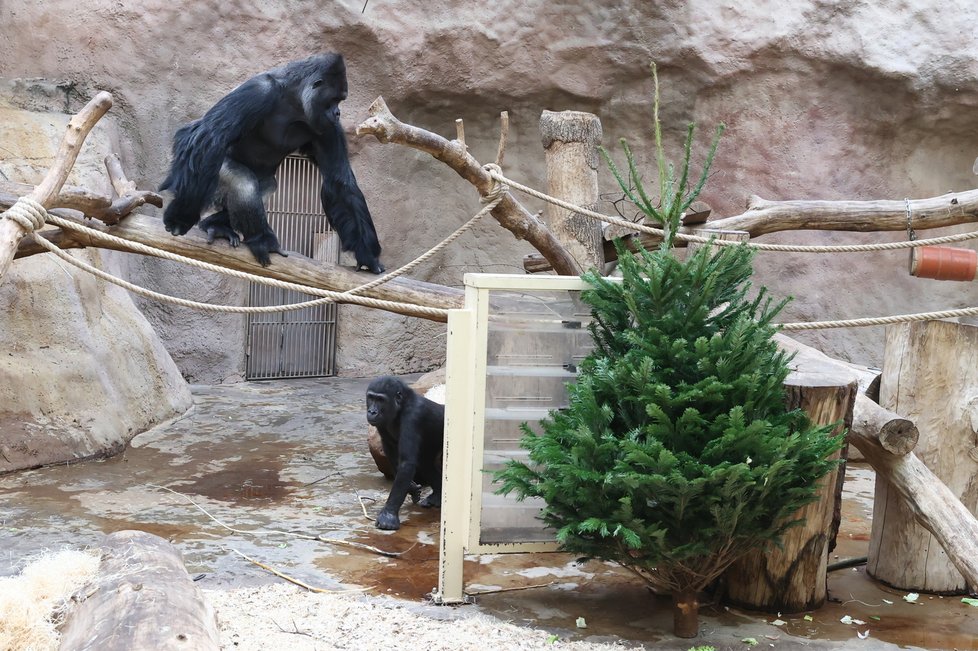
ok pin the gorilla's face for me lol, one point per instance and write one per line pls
(321, 97)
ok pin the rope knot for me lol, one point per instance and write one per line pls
(28, 213)
(496, 190)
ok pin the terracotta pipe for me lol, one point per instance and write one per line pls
(943, 263)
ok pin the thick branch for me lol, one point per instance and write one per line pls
(763, 216)
(141, 598)
(514, 217)
(295, 268)
(94, 205)
(896, 434)
(78, 129)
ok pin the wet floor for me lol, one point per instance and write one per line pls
(255, 459)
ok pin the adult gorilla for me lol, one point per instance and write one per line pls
(228, 158)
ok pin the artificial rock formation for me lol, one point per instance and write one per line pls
(81, 371)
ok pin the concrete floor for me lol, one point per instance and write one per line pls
(292, 456)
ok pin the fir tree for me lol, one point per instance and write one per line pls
(676, 454)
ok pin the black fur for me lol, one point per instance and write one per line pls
(229, 157)
(412, 430)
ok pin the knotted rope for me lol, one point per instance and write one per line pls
(32, 216)
(28, 213)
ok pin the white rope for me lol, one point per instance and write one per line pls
(883, 320)
(490, 201)
(783, 248)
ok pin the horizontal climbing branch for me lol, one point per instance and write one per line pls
(382, 124)
(763, 216)
(295, 268)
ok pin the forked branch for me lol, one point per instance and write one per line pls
(509, 213)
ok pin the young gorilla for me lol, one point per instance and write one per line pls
(229, 157)
(412, 429)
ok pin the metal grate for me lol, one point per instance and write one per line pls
(301, 343)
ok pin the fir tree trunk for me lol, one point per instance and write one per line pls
(685, 613)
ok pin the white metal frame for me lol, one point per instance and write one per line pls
(465, 401)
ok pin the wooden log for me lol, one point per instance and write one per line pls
(295, 268)
(896, 434)
(932, 505)
(142, 598)
(930, 373)
(763, 216)
(77, 130)
(792, 578)
(571, 140)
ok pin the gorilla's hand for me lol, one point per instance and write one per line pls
(388, 521)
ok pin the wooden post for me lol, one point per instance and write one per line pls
(142, 598)
(792, 579)
(571, 140)
(11, 232)
(930, 374)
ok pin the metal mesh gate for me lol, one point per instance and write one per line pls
(300, 343)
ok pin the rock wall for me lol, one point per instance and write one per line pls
(81, 369)
(822, 100)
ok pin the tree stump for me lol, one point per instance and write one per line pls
(142, 598)
(792, 579)
(571, 140)
(930, 375)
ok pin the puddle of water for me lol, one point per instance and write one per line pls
(246, 480)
